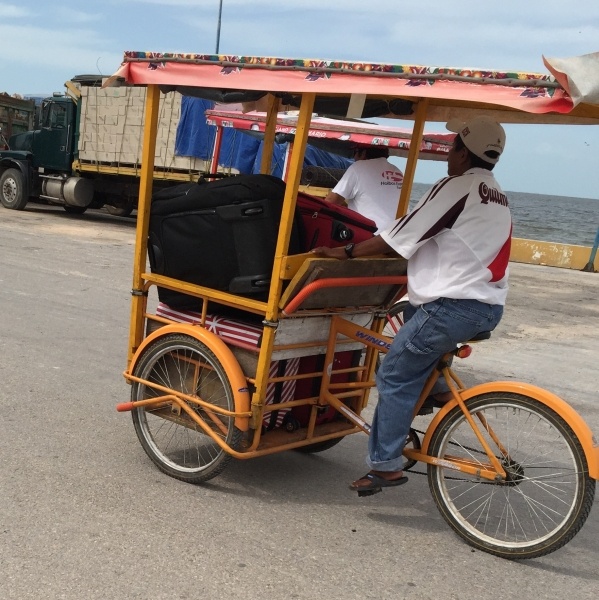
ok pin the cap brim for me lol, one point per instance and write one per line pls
(455, 125)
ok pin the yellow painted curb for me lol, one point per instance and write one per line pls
(566, 256)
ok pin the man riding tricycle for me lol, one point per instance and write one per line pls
(260, 343)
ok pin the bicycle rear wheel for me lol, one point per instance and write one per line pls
(171, 438)
(395, 318)
(548, 493)
(394, 321)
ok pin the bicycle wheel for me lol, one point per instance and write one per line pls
(395, 318)
(547, 495)
(392, 325)
(174, 442)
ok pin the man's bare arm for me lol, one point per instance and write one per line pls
(371, 247)
(334, 198)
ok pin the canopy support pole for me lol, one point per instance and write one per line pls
(138, 292)
(295, 169)
(218, 140)
(417, 132)
(296, 163)
(269, 134)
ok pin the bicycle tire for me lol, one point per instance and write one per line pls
(547, 496)
(178, 446)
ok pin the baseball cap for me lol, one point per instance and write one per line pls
(480, 135)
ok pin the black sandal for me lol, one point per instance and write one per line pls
(430, 403)
(376, 484)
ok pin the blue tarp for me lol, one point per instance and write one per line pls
(239, 150)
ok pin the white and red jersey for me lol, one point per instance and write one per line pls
(372, 187)
(457, 240)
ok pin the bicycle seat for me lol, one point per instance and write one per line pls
(479, 337)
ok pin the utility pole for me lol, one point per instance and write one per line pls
(220, 13)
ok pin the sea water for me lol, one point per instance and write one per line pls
(547, 218)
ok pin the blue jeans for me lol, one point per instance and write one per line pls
(429, 331)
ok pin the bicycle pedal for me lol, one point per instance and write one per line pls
(362, 493)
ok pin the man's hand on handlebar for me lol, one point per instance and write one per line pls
(372, 247)
(325, 252)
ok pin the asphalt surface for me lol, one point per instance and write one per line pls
(84, 514)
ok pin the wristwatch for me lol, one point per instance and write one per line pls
(349, 250)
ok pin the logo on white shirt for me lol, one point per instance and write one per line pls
(392, 176)
(488, 194)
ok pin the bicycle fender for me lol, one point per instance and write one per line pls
(589, 443)
(238, 381)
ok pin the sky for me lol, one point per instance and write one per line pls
(43, 44)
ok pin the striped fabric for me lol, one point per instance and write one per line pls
(232, 331)
(244, 335)
(280, 392)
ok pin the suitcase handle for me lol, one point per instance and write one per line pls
(249, 284)
(250, 212)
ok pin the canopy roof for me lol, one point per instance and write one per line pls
(339, 133)
(569, 94)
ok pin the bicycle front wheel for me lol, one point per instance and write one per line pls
(171, 438)
(547, 495)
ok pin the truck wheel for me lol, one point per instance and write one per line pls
(12, 190)
(122, 210)
(74, 210)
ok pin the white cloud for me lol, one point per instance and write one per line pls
(457, 15)
(43, 46)
(59, 47)
(77, 16)
(432, 33)
(347, 5)
(25, 69)
(10, 11)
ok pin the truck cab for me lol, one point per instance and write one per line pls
(51, 145)
(39, 162)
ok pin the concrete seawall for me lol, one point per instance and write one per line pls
(551, 254)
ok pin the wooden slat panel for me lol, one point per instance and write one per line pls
(315, 269)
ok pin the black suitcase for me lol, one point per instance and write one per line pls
(220, 235)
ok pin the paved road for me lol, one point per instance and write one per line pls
(85, 515)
